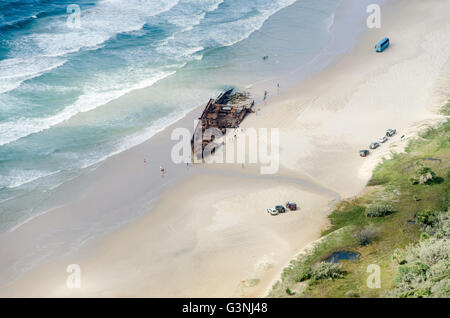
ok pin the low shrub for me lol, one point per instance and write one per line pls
(426, 217)
(424, 236)
(289, 291)
(441, 226)
(425, 267)
(366, 235)
(324, 270)
(399, 256)
(424, 175)
(378, 210)
(302, 273)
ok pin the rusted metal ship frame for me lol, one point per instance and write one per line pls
(227, 111)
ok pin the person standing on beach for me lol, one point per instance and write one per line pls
(265, 96)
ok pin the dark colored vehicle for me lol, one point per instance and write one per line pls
(364, 153)
(291, 206)
(280, 209)
(374, 145)
(391, 132)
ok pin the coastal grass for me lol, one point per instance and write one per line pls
(391, 186)
(446, 109)
(294, 276)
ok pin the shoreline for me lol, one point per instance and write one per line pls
(129, 97)
(287, 78)
(76, 187)
(297, 162)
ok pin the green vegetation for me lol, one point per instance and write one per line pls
(425, 267)
(426, 217)
(424, 175)
(446, 109)
(378, 210)
(401, 223)
(366, 235)
(325, 270)
(306, 270)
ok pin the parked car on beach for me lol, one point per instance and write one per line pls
(280, 209)
(374, 145)
(364, 153)
(272, 211)
(383, 139)
(390, 132)
(291, 206)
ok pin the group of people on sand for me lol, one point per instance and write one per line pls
(266, 93)
(162, 170)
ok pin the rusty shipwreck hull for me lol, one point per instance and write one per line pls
(228, 110)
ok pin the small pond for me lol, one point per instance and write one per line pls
(343, 255)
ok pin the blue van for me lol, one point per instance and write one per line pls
(382, 45)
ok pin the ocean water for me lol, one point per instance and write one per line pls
(72, 97)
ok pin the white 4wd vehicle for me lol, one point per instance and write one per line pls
(272, 211)
(383, 139)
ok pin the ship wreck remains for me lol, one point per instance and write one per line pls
(226, 111)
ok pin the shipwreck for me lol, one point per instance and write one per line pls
(227, 111)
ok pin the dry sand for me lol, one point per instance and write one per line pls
(210, 235)
(198, 243)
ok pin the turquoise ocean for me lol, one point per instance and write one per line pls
(62, 89)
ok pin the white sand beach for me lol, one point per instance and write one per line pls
(208, 234)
